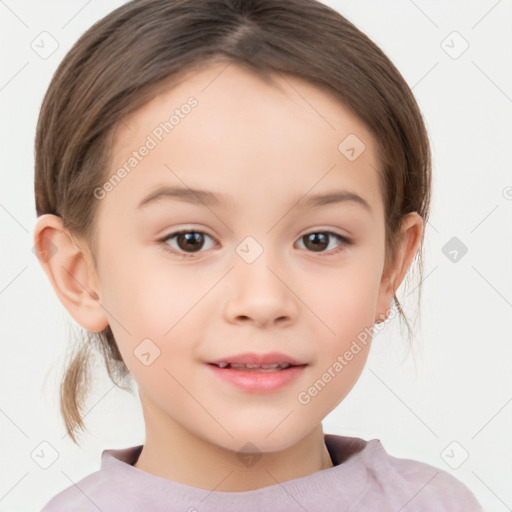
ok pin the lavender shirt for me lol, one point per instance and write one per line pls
(364, 478)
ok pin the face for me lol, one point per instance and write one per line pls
(263, 267)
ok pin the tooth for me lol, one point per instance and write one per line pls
(254, 367)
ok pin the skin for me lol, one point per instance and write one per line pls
(263, 146)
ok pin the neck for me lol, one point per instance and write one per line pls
(174, 453)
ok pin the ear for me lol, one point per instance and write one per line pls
(395, 271)
(70, 272)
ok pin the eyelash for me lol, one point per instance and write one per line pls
(165, 246)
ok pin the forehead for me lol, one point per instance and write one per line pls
(245, 132)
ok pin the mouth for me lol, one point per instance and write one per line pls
(258, 373)
(247, 367)
(257, 362)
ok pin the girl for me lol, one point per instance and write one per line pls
(283, 146)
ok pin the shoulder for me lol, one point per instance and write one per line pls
(417, 485)
(80, 496)
(105, 489)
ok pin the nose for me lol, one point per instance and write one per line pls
(260, 293)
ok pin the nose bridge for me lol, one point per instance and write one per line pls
(258, 288)
(258, 262)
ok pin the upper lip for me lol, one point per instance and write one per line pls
(254, 358)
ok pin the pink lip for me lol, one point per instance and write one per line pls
(254, 358)
(258, 381)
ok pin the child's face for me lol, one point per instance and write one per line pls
(254, 282)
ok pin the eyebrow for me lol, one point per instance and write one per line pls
(207, 198)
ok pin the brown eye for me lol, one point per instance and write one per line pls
(319, 241)
(190, 241)
(316, 241)
(186, 243)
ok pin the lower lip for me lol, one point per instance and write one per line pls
(259, 382)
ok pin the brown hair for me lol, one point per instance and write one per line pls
(141, 47)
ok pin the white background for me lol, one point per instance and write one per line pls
(456, 386)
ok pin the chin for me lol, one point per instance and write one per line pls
(260, 437)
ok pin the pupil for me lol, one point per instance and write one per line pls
(319, 241)
(194, 239)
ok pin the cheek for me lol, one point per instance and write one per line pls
(146, 295)
(345, 299)
(153, 312)
(344, 335)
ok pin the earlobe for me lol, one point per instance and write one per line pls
(69, 271)
(411, 235)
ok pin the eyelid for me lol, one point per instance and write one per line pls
(326, 229)
(165, 246)
(345, 241)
